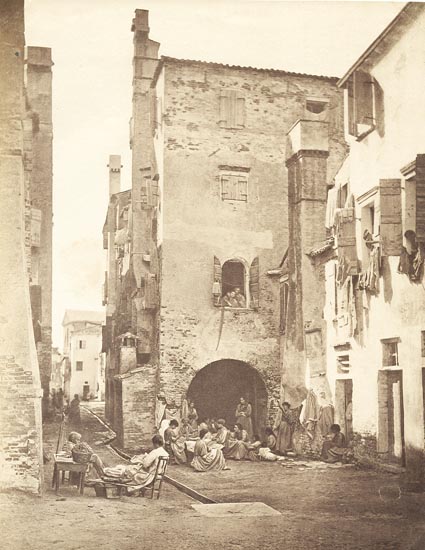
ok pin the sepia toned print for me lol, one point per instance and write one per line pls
(242, 301)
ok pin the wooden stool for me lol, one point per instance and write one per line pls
(68, 465)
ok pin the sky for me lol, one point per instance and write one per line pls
(92, 52)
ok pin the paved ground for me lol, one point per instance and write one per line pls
(320, 507)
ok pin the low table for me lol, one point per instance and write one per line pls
(63, 464)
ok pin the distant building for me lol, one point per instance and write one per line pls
(363, 337)
(82, 348)
(206, 215)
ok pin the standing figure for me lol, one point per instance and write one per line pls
(59, 401)
(175, 443)
(243, 416)
(192, 416)
(284, 428)
(74, 413)
(326, 414)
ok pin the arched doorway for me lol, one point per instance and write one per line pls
(217, 388)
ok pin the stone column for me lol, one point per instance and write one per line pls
(20, 390)
(307, 153)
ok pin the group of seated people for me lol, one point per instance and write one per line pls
(211, 442)
(234, 298)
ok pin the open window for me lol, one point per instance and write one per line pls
(365, 105)
(235, 285)
(390, 352)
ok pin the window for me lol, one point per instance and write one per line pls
(422, 343)
(79, 365)
(365, 105)
(234, 186)
(343, 363)
(232, 109)
(235, 285)
(82, 344)
(390, 352)
(316, 106)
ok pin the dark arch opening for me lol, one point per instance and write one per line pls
(217, 388)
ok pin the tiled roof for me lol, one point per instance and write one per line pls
(276, 72)
(76, 315)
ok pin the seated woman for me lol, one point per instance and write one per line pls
(236, 446)
(221, 435)
(266, 450)
(175, 443)
(334, 446)
(205, 458)
(253, 448)
(74, 441)
(141, 470)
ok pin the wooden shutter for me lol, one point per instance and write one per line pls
(217, 282)
(254, 283)
(232, 109)
(224, 108)
(346, 241)
(363, 95)
(242, 188)
(352, 128)
(225, 187)
(390, 226)
(239, 106)
(420, 198)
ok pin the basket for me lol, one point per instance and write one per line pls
(81, 457)
(105, 490)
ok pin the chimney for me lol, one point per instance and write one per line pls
(114, 174)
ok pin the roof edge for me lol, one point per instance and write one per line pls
(278, 72)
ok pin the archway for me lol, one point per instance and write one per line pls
(217, 388)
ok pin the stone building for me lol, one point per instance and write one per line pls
(25, 176)
(38, 176)
(207, 214)
(82, 348)
(371, 265)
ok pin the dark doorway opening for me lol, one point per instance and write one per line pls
(217, 388)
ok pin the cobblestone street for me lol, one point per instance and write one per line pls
(320, 507)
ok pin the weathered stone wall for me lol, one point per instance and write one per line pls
(39, 107)
(20, 403)
(197, 225)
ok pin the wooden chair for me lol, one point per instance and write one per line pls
(156, 484)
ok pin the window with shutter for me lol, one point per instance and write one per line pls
(390, 221)
(346, 243)
(234, 187)
(254, 283)
(363, 93)
(231, 109)
(365, 104)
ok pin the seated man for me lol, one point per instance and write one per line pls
(334, 446)
(141, 470)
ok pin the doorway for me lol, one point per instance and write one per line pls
(344, 406)
(391, 415)
(217, 388)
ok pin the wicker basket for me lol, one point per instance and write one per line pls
(81, 457)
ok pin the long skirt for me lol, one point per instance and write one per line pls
(284, 437)
(213, 460)
(178, 450)
(236, 450)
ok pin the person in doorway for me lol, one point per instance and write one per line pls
(141, 470)
(205, 458)
(192, 416)
(334, 446)
(243, 416)
(240, 298)
(175, 443)
(74, 413)
(284, 428)
(60, 398)
(237, 443)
